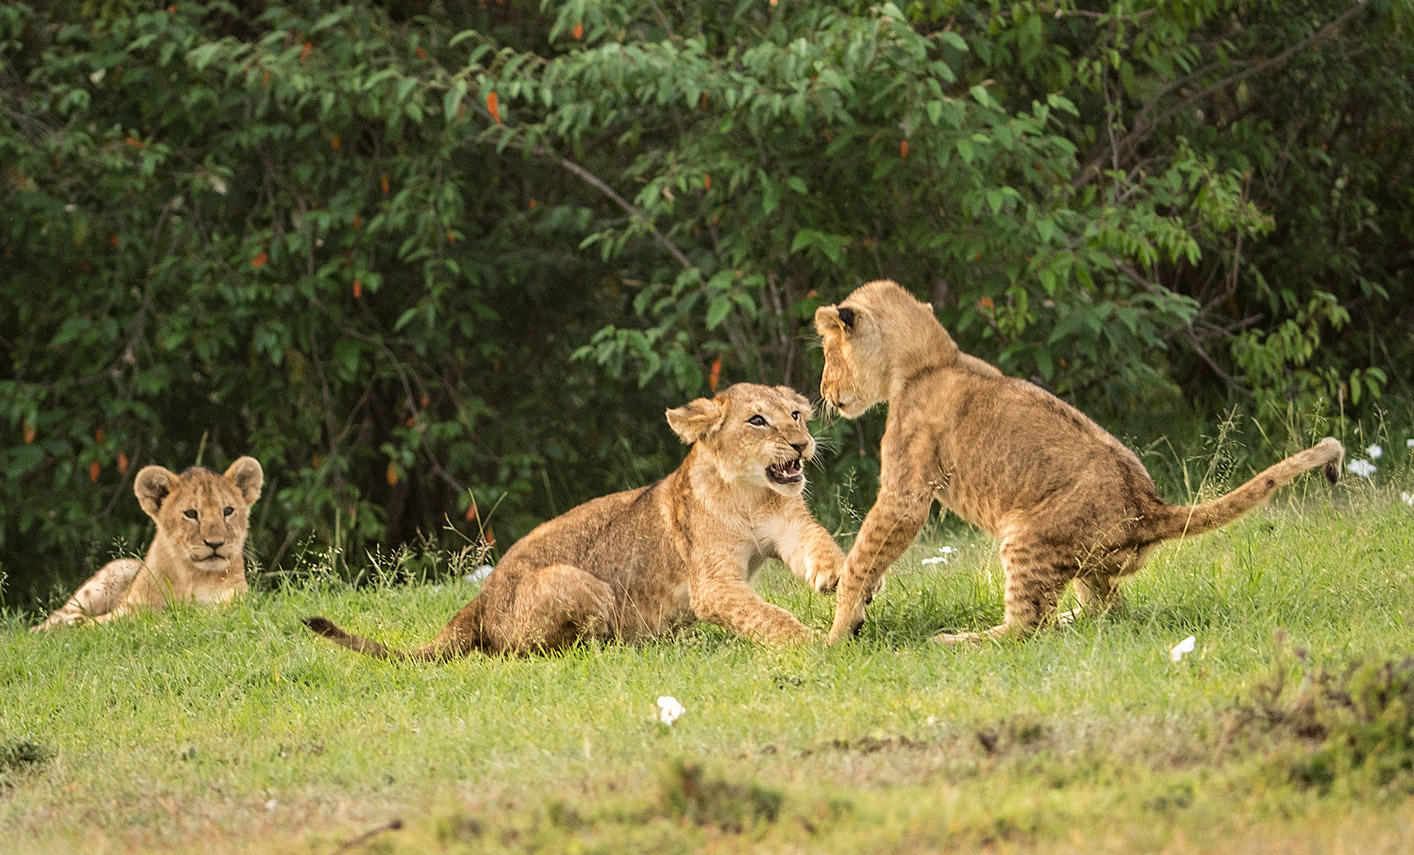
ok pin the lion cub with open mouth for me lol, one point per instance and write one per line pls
(1067, 500)
(634, 564)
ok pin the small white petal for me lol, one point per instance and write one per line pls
(669, 709)
(272, 804)
(479, 573)
(1410, 442)
(941, 559)
(1184, 646)
(946, 550)
(97, 76)
(1408, 498)
(1375, 452)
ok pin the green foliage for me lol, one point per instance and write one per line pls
(423, 257)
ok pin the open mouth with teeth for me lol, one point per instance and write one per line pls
(786, 473)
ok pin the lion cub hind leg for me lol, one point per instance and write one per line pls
(97, 597)
(1097, 595)
(1035, 578)
(557, 605)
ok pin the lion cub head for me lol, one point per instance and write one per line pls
(755, 435)
(874, 336)
(202, 516)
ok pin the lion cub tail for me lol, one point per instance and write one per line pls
(357, 643)
(1181, 521)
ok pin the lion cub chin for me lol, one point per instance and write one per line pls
(1067, 500)
(198, 553)
(634, 564)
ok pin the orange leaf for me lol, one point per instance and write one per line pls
(391, 474)
(706, 181)
(113, 240)
(715, 376)
(703, 100)
(358, 289)
(532, 203)
(135, 142)
(306, 51)
(411, 420)
(493, 103)
(471, 512)
(335, 142)
(421, 54)
(425, 401)
(29, 433)
(358, 221)
(903, 149)
(383, 183)
(98, 436)
(260, 260)
(122, 463)
(489, 536)
(93, 470)
(578, 31)
(986, 304)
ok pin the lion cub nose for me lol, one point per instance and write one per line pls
(215, 543)
(800, 447)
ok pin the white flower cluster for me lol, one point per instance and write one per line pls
(944, 553)
(1362, 467)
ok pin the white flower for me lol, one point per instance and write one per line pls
(1362, 467)
(941, 557)
(479, 573)
(1375, 452)
(272, 804)
(669, 709)
(1408, 498)
(97, 76)
(1184, 646)
(1410, 442)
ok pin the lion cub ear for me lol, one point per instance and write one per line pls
(696, 419)
(834, 317)
(248, 477)
(151, 486)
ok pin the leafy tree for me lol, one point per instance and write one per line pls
(427, 258)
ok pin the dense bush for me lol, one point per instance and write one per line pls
(413, 254)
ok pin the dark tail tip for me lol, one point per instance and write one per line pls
(1332, 471)
(322, 626)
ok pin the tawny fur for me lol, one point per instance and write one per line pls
(635, 564)
(1067, 500)
(197, 555)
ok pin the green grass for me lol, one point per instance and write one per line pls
(235, 730)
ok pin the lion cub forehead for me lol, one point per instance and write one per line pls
(754, 395)
(202, 481)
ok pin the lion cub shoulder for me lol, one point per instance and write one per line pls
(197, 554)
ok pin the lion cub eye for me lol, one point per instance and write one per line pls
(795, 415)
(189, 513)
(759, 421)
(226, 512)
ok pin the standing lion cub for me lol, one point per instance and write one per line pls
(634, 564)
(1066, 499)
(198, 553)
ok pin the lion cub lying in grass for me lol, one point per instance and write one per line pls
(198, 553)
(1066, 499)
(633, 564)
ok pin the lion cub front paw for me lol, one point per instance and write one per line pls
(825, 577)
